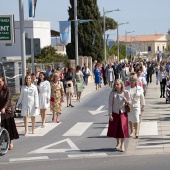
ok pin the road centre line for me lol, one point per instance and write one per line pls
(78, 129)
(28, 159)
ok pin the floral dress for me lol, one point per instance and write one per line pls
(57, 92)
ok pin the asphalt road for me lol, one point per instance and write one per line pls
(80, 142)
(80, 133)
(156, 162)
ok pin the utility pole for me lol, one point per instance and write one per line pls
(76, 33)
(104, 29)
(22, 36)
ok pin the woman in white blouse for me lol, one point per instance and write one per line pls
(118, 118)
(162, 75)
(137, 104)
(29, 101)
(78, 77)
(110, 75)
(44, 92)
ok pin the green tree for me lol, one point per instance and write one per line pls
(48, 55)
(122, 51)
(48, 51)
(86, 10)
(110, 24)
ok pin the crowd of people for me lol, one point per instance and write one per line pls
(47, 89)
(40, 91)
(129, 88)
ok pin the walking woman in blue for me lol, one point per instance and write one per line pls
(97, 75)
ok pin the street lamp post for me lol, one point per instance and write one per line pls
(76, 32)
(118, 38)
(22, 34)
(126, 39)
(104, 28)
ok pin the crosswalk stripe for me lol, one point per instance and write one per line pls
(78, 129)
(148, 128)
(28, 159)
(87, 155)
(42, 131)
(104, 132)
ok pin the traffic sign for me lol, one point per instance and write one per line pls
(6, 28)
(36, 44)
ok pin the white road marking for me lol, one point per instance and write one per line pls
(42, 131)
(150, 146)
(78, 129)
(45, 149)
(99, 110)
(104, 132)
(87, 155)
(148, 128)
(28, 159)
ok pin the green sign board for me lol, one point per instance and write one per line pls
(6, 29)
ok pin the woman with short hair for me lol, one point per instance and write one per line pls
(118, 117)
(137, 104)
(57, 92)
(97, 76)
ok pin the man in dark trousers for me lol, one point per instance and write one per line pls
(150, 71)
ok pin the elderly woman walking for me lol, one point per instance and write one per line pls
(57, 92)
(118, 118)
(137, 104)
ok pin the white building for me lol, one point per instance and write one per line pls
(33, 29)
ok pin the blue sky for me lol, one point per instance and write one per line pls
(144, 16)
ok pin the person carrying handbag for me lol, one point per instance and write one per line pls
(137, 104)
(118, 117)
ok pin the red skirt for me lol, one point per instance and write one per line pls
(118, 128)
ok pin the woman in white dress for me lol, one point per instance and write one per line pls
(137, 104)
(78, 77)
(44, 92)
(29, 101)
(110, 75)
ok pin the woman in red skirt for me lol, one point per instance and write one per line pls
(118, 118)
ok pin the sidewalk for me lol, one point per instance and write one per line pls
(19, 121)
(154, 136)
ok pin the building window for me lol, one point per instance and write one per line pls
(163, 48)
(149, 48)
(157, 48)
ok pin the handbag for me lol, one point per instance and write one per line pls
(127, 108)
(17, 111)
